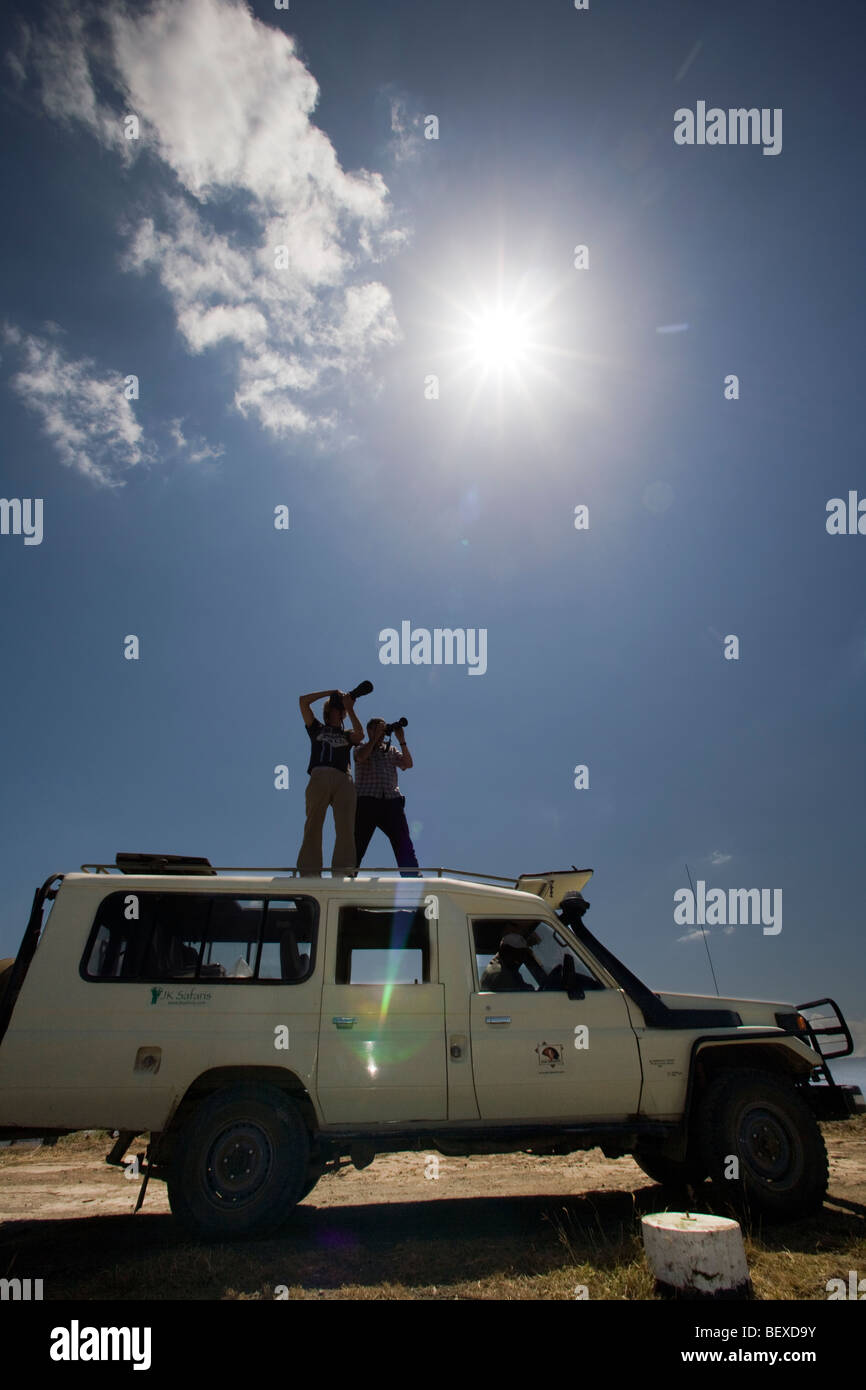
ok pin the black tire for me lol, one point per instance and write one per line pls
(240, 1163)
(759, 1117)
(670, 1173)
(314, 1172)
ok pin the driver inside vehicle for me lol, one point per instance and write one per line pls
(515, 950)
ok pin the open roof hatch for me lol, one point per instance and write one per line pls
(553, 885)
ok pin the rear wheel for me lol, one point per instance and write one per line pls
(240, 1163)
(314, 1172)
(762, 1145)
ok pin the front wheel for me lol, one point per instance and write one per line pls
(240, 1163)
(762, 1145)
(669, 1172)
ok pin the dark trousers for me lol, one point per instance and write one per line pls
(385, 813)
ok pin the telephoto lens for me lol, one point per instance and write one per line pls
(398, 724)
(365, 688)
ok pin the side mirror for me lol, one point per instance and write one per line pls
(569, 978)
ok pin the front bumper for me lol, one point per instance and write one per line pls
(835, 1102)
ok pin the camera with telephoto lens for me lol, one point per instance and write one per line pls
(336, 699)
(392, 728)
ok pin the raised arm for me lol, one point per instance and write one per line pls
(357, 734)
(306, 700)
(404, 761)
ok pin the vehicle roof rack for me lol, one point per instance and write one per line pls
(186, 864)
(552, 885)
(162, 864)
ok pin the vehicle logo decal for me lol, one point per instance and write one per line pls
(550, 1056)
(159, 995)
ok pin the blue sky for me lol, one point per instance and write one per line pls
(307, 386)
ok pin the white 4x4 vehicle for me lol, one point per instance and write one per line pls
(261, 1027)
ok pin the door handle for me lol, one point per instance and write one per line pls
(344, 1022)
(497, 1018)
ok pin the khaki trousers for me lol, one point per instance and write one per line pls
(328, 787)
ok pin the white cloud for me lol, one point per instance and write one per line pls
(197, 450)
(405, 130)
(225, 107)
(717, 857)
(698, 933)
(61, 55)
(83, 412)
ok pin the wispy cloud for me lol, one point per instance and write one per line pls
(689, 59)
(225, 107)
(407, 139)
(698, 933)
(718, 857)
(82, 410)
(196, 451)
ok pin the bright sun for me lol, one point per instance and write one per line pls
(498, 339)
(501, 344)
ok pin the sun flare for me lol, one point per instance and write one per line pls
(502, 345)
(498, 339)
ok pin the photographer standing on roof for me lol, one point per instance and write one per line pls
(330, 781)
(380, 805)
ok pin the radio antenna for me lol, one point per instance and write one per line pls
(705, 934)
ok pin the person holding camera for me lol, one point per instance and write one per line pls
(330, 781)
(380, 805)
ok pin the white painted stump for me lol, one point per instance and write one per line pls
(696, 1256)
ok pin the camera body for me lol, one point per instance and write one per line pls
(365, 688)
(392, 728)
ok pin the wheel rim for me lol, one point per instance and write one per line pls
(239, 1164)
(768, 1147)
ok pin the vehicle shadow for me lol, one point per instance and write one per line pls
(319, 1250)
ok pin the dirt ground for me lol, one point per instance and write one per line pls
(67, 1217)
(73, 1180)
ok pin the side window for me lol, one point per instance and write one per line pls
(197, 936)
(288, 940)
(131, 940)
(523, 954)
(232, 938)
(380, 946)
(171, 938)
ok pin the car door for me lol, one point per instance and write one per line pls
(382, 1032)
(538, 1054)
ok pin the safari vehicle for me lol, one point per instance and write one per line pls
(264, 1028)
